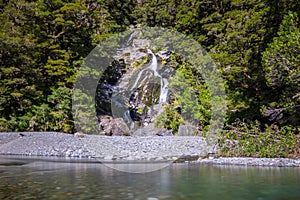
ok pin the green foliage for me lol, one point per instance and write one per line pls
(169, 119)
(191, 95)
(84, 112)
(55, 115)
(247, 139)
(154, 13)
(238, 43)
(281, 61)
(42, 45)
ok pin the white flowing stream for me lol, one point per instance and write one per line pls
(163, 96)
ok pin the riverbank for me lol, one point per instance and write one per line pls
(258, 162)
(104, 148)
(107, 149)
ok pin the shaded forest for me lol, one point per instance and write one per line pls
(255, 44)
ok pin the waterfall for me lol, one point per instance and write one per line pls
(128, 119)
(163, 96)
(130, 39)
(137, 79)
(153, 65)
(149, 73)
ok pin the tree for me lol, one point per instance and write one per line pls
(19, 72)
(42, 46)
(281, 62)
(239, 41)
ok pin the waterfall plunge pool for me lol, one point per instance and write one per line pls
(53, 179)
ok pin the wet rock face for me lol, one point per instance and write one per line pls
(130, 88)
(166, 71)
(114, 72)
(103, 99)
(142, 100)
(106, 86)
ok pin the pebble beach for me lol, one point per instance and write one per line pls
(191, 150)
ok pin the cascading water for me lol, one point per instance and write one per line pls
(163, 96)
(138, 97)
(143, 77)
(137, 79)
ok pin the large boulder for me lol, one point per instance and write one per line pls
(150, 130)
(113, 127)
(187, 130)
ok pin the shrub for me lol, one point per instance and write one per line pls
(248, 139)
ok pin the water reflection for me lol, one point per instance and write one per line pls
(38, 179)
(137, 167)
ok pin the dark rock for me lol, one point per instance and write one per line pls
(106, 86)
(103, 99)
(178, 109)
(164, 55)
(133, 99)
(134, 115)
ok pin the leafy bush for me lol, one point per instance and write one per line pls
(55, 115)
(169, 119)
(248, 139)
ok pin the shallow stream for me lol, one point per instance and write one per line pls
(23, 178)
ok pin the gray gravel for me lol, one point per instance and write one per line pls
(269, 162)
(42, 144)
(102, 147)
(122, 148)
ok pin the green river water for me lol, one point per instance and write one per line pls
(51, 179)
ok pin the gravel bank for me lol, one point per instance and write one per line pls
(107, 149)
(42, 144)
(264, 162)
(102, 147)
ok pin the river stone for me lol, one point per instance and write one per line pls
(119, 127)
(187, 130)
(165, 132)
(113, 127)
(150, 130)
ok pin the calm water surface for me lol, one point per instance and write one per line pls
(37, 179)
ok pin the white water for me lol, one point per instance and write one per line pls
(163, 97)
(148, 73)
(130, 39)
(137, 79)
(128, 120)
